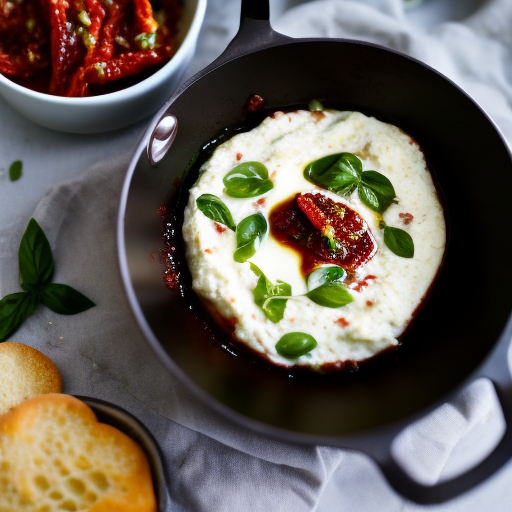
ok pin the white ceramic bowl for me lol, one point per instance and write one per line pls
(107, 112)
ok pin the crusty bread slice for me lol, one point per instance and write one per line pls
(56, 456)
(25, 372)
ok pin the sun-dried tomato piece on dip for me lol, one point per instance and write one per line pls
(329, 231)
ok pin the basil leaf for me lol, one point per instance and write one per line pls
(216, 210)
(339, 173)
(376, 191)
(36, 272)
(315, 105)
(350, 164)
(35, 258)
(326, 288)
(15, 170)
(248, 179)
(330, 295)
(64, 299)
(249, 234)
(265, 290)
(14, 310)
(325, 274)
(295, 344)
(399, 242)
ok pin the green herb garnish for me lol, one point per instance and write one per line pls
(88, 39)
(376, 191)
(265, 290)
(248, 179)
(398, 241)
(325, 274)
(30, 24)
(315, 105)
(36, 268)
(342, 173)
(249, 235)
(15, 170)
(146, 40)
(100, 68)
(326, 288)
(83, 16)
(295, 344)
(215, 210)
(14, 310)
(249, 232)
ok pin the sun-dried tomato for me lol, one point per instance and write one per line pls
(77, 47)
(323, 231)
(125, 65)
(254, 103)
(144, 17)
(116, 13)
(66, 49)
(24, 38)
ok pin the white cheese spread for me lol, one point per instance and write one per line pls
(387, 290)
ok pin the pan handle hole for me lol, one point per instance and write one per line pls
(162, 138)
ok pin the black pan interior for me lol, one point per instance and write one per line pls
(471, 301)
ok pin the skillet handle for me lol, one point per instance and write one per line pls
(255, 32)
(497, 369)
(255, 10)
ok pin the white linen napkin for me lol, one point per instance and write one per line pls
(215, 465)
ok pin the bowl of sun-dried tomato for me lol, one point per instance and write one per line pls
(91, 66)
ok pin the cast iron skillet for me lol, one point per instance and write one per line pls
(463, 331)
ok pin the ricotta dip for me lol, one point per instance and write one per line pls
(386, 289)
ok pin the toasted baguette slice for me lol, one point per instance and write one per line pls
(25, 373)
(56, 456)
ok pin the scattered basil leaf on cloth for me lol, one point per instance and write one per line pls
(295, 344)
(14, 310)
(35, 258)
(36, 268)
(271, 298)
(248, 179)
(15, 170)
(249, 235)
(63, 299)
(213, 207)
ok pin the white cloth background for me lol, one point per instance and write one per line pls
(71, 185)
